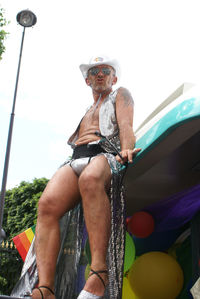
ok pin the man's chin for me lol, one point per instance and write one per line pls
(102, 89)
(99, 89)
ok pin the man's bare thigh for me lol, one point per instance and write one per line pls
(62, 191)
(99, 168)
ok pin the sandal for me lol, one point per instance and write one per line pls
(42, 295)
(87, 295)
(97, 273)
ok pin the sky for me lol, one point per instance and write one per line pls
(156, 43)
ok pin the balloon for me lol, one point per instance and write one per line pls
(127, 292)
(87, 271)
(182, 252)
(141, 224)
(127, 221)
(156, 275)
(157, 241)
(87, 252)
(129, 252)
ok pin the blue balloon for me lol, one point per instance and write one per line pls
(157, 241)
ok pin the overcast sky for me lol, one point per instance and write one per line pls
(156, 43)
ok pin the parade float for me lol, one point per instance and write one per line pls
(162, 186)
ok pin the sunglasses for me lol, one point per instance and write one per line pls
(95, 70)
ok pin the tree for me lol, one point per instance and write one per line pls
(20, 213)
(20, 210)
(3, 33)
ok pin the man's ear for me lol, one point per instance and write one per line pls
(87, 82)
(114, 80)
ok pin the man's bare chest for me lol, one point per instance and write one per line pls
(91, 118)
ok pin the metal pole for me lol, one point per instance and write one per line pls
(8, 147)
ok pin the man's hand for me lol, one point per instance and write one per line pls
(127, 155)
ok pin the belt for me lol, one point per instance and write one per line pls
(87, 150)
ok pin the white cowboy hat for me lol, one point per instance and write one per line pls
(99, 60)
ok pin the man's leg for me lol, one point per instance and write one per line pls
(60, 195)
(93, 183)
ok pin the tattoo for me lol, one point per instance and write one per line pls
(126, 96)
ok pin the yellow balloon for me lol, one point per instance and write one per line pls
(156, 275)
(87, 271)
(127, 292)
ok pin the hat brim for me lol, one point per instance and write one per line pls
(113, 63)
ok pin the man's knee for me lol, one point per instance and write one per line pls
(89, 183)
(46, 206)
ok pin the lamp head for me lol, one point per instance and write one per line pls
(26, 18)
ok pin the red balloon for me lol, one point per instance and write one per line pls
(127, 221)
(141, 224)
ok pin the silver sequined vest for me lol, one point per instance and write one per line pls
(107, 124)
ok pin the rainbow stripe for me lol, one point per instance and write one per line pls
(23, 241)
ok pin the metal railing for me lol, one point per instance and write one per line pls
(10, 266)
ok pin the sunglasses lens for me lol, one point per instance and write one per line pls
(106, 70)
(94, 71)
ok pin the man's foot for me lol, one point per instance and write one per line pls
(96, 282)
(43, 292)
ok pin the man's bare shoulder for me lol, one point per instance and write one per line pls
(124, 95)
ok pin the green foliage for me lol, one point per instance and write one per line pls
(10, 269)
(20, 210)
(3, 33)
(20, 213)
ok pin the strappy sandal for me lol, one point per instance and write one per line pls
(44, 287)
(87, 295)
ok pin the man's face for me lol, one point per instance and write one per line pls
(101, 78)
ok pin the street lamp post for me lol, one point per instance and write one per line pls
(25, 18)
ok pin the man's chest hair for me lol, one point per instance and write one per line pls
(91, 118)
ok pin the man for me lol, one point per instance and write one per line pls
(87, 177)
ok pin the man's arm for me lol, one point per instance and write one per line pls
(124, 113)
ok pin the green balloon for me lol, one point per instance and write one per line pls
(129, 252)
(87, 252)
(87, 271)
